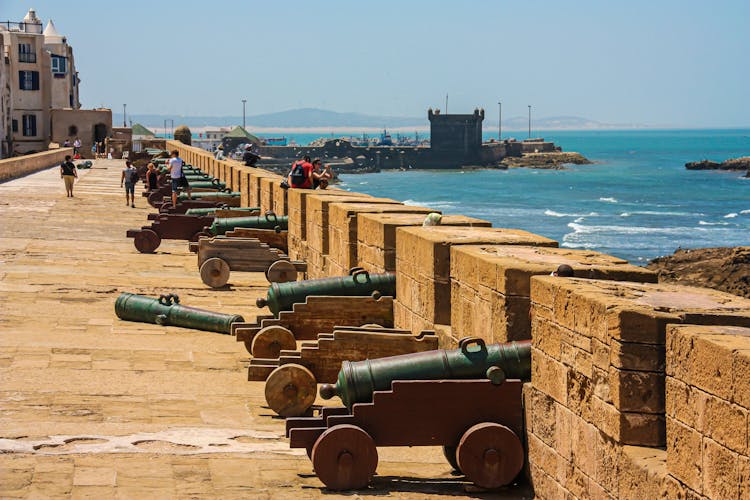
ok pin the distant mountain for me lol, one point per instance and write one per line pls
(321, 118)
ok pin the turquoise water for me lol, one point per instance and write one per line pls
(637, 202)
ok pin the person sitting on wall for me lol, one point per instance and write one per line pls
(66, 143)
(219, 154)
(250, 157)
(301, 176)
(152, 177)
(177, 176)
(319, 175)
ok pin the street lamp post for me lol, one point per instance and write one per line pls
(243, 112)
(124, 123)
(499, 121)
(529, 121)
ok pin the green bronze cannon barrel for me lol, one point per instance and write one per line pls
(358, 380)
(167, 311)
(267, 221)
(212, 210)
(282, 296)
(199, 177)
(214, 184)
(209, 195)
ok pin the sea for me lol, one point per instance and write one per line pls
(636, 201)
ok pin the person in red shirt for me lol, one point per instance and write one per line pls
(301, 175)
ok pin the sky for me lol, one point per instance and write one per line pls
(657, 63)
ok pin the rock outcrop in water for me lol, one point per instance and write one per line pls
(551, 160)
(742, 163)
(721, 268)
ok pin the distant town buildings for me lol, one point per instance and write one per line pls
(38, 76)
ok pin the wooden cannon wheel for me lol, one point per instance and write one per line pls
(271, 340)
(345, 457)
(281, 271)
(147, 241)
(290, 390)
(199, 235)
(490, 455)
(215, 272)
(449, 452)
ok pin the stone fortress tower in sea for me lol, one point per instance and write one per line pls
(455, 142)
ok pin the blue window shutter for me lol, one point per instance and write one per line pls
(34, 80)
(20, 80)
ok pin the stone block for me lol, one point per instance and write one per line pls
(280, 205)
(267, 191)
(423, 254)
(297, 212)
(343, 227)
(317, 216)
(684, 454)
(720, 471)
(641, 473)
(376, 237)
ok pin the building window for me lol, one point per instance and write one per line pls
(71, 100)
(29, 125)
(72, 130)
(59, 66)
(28, 80)
(14, 125)
(26, 53)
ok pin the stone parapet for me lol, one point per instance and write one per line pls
(376, 236)
(490, 284)
(19, 166)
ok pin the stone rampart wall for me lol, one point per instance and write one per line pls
(13, 168)
(638, 389)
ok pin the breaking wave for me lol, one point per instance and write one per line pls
(731, 216)
(704, 223)
(608, 199)
(552, 213)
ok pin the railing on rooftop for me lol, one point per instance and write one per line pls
(26, 27)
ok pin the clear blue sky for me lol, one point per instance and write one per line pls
(682, 63)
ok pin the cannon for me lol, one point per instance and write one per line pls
(167, 311)
(213, 210)
(220, 195)
(168, 227)
(163, 193)
(475, 414)
(282, 296)
(268, 336)
(219, 255)
(267, 221)
(183, 206)
(292, 377)
(358, 380)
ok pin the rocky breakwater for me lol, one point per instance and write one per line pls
(722, 268)
(742, 163)
(547, 160)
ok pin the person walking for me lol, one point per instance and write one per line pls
(69, 174)
(76, 146)
(178, 178)
(129, 178)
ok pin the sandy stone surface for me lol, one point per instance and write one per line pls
(91, 406)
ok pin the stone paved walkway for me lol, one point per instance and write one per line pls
(91, 406)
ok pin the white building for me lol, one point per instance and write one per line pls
(39, 75)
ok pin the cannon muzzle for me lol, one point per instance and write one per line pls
(167, 310)
(472, 360)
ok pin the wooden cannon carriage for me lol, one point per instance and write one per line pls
(168, 227)
(219, 255)
(268, 336)
(292, 377)
(478, 424)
